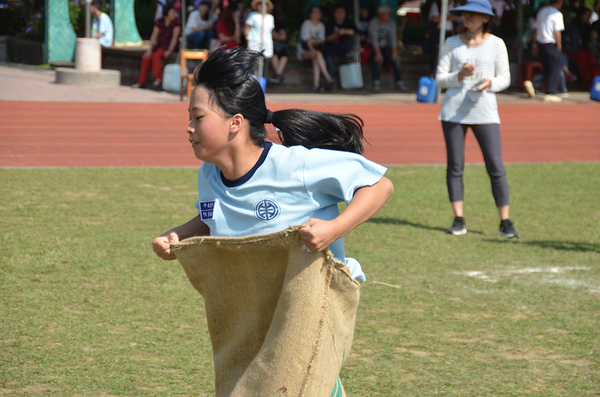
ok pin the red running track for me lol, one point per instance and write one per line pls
(52, 134)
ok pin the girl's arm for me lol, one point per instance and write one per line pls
(174, 40)
(162, 244)
(305, 31)
(319, 234)
(153, 38)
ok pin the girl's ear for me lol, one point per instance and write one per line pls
(237, 122)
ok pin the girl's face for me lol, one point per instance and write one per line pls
(315, 14)
(171, 15)
(474, 20)
(209, 130)
(204, 8)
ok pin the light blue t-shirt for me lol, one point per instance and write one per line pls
(287, 186)
(103, 25)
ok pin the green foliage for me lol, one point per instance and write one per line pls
(145, 10)
(87, 308)
(35, 25)
(11, 21)
(77, 16)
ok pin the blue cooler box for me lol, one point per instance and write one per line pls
(427, 90)
(263, 83)
(595, 93)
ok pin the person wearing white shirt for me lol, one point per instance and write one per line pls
(310, 44)
(102, 27)
(472, 67)
(258, 30)
(200, 27)
(433, 44)
(547, 42)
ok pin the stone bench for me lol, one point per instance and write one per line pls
(128, 60)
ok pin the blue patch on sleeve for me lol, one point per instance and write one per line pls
(207, 210)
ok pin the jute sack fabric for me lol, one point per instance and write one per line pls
(280, 317)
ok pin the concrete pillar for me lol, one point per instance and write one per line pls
(88, 55)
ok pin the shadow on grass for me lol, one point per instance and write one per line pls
(391, 221)
(555, 244)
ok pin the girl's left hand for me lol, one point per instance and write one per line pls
(486, 85)
(317, 234)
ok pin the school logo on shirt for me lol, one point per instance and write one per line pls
(266, 210)
(207, 210)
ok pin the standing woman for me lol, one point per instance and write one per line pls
(472, 67)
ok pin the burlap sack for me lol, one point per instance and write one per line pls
(281, 317)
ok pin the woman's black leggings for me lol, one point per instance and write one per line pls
(488, 136)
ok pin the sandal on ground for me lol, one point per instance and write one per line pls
(277, 79)
(317, 89)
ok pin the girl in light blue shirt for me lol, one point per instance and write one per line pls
(250, 186)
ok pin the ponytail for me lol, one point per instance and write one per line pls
(227, 76)
(322, 130)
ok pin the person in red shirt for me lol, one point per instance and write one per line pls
(163, 42)
(228, 28)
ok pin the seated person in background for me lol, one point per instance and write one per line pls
(383, 38)
(364, 16)
(585, 57)
(310, 44)
(257, 31)
(433, 41)
(200, 27)
(340, 38)
(102, 27)
(228, 28)
(163, 41)
(281, 51)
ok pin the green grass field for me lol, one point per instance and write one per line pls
(88, 310)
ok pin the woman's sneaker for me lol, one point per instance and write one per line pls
(507, 229)
(458, 227)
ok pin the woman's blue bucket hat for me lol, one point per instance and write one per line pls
(480, 6)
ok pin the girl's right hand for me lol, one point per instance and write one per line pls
(162, 246)
(467, 70)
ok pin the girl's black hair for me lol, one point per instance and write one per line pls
(227, 75)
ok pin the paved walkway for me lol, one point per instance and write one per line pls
(29, 83)
(44, 124)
